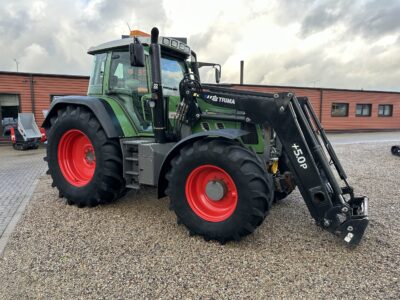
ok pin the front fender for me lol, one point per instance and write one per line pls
(100, 108)
(230, 134)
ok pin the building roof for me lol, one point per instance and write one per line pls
(43, 74)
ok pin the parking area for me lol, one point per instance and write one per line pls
(19, 171)
(134, 249)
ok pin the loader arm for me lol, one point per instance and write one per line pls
(334, 207)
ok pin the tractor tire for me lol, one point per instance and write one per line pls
(84, 164)
(219, 190)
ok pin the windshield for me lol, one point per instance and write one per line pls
(172, 72)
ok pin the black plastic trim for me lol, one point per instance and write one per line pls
(101, 109)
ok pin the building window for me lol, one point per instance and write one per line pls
(363, 110)
(385, 110)
(340, 110)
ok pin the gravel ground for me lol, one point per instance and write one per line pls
(135, 249)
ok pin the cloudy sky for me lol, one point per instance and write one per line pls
(331, 43)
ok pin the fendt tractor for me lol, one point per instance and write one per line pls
(222, 155)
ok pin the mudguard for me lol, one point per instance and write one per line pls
(231, 134)
(100, 108)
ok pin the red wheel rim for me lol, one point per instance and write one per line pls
(76, 157)
(201, 203)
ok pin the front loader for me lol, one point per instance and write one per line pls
(223, 156)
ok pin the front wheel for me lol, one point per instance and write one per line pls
(219, 189)
(85, 165)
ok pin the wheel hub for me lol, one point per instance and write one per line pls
(89, 155)
(211, 193)
(76, 157)
(215, 190)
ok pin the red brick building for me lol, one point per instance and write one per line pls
(33, 92)
(338, 109)
(346, 110)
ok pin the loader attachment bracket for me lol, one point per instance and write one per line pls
(356, 220)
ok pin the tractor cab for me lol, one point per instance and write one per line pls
(114, 76)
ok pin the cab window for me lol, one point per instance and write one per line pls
(124, 76)
(172, 72)
(96, 78)
(129, 85)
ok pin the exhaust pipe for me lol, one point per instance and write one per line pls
(157, 92)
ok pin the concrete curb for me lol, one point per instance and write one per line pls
(16, 217)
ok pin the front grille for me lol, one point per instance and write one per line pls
(206, 126)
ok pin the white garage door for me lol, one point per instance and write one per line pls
(9, 100)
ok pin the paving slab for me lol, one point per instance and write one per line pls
(19, 171)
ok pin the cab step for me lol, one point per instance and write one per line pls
(130, 152)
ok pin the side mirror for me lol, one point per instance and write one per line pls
(136, 52)
(217, 75)
(217, 68)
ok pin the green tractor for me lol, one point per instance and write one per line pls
(223, 156)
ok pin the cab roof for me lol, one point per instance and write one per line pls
(167, 42)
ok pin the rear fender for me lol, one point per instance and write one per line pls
(100, 108)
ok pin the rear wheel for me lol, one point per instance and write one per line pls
(85, 165)
(219, 189)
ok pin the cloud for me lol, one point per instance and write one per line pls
(369, 19)
(66, 29)
(331, 43)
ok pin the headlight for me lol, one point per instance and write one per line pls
(166, 41)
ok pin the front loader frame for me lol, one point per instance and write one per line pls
(335, 208)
